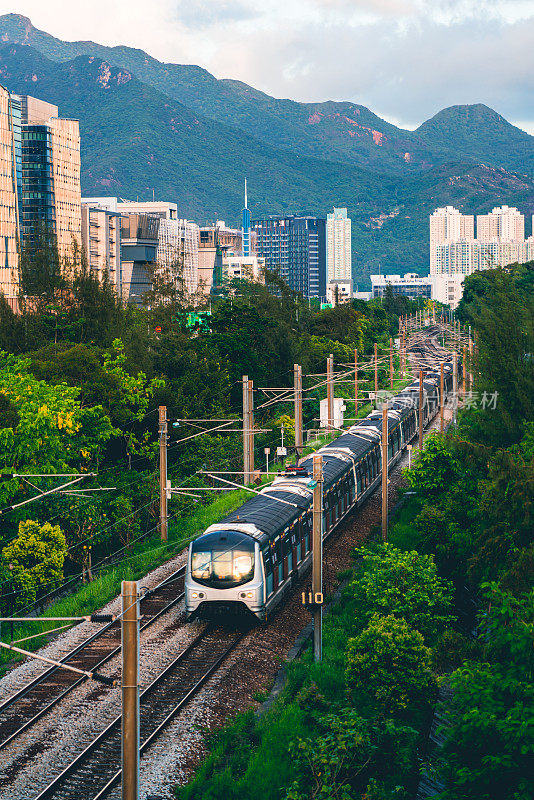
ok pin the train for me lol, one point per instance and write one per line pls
(249, 561)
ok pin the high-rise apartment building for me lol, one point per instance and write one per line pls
(505, 224)
(51, 191)
(295, 246)
(338, 246)
(10, 191)
(448, 225)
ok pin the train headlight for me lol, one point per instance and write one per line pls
(250, 595)
(194, 595)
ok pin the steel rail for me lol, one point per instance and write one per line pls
(21, 693)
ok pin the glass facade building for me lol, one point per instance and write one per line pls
(38, 200)
(295, 246)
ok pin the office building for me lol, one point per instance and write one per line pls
(178, 247)
(101, 240)
(338, 246)
(409, 285)
(245, 268)
(10, 192)
(504, 224)
(215, 241)
(295, 246)
(139, 244)
(154, 208)
(51, 193)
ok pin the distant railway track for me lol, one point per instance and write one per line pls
(425, 349)
(95, 771)
(40, 695)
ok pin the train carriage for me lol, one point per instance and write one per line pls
(251, 559)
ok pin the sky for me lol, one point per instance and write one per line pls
(404, 59)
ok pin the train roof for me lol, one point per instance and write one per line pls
(267, 512)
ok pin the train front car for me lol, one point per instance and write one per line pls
(224, 571)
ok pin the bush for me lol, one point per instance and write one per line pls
(35, 558)
(389, 664)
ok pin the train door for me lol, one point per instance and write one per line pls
(299, 528)
(278, 565)
(268, 569)
(286, 552)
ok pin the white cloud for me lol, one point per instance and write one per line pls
(405, 59)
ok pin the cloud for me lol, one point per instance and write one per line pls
(405, 59)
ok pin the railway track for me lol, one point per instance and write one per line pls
(96, 770)
(40, 695)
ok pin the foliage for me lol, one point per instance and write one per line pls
(434, 468)
(53, 432)
(35, 558)
(389, 663)
(402, 584)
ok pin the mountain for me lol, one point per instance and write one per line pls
(179, 131)
(336, 131)
(479, 132)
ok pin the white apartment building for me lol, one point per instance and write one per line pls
(339, 292)
(338, 246)
(504, 223)
(157, 208)
(448, 225)
(246, 268)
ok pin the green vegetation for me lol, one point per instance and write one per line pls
(354, 727)
(81, 378)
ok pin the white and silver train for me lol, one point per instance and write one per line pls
(251, 559)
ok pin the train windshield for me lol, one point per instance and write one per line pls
(223, 559)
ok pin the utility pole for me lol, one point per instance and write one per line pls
(391, 363)
(355, 384)
(420, 409)
(317, 569)
(163, 529)
(464, 371)
(441, 398)
(384, 472)
(246, 432)
(267, 450)
(330, 391)
(454, 387)
(251, 429)
(376, 373)
(130, 691)
(297, 381)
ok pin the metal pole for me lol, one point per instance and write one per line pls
(317, 573)
(297, 380)
(251, 428)
(470, 363)
(246, 430)
(330, 390)
(163, 528)
(420, 409)
(441, 398)
(376, 373)
(464, 371)
(384, 472)
(130, 691)
(454, 387)
(355, 384)
(391, 363)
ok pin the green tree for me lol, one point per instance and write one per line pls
(52, 432)
(405, 585)
(434, 469)
(35, 559)
(389, 664)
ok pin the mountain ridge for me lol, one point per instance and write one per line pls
(136, 139)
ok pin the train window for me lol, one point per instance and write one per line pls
(223, 559)
(269, 581)
(359, 478)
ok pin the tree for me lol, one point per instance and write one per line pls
(52, 432)
(434, 469)
(389, 664)
(402, 584)
(35, 559)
